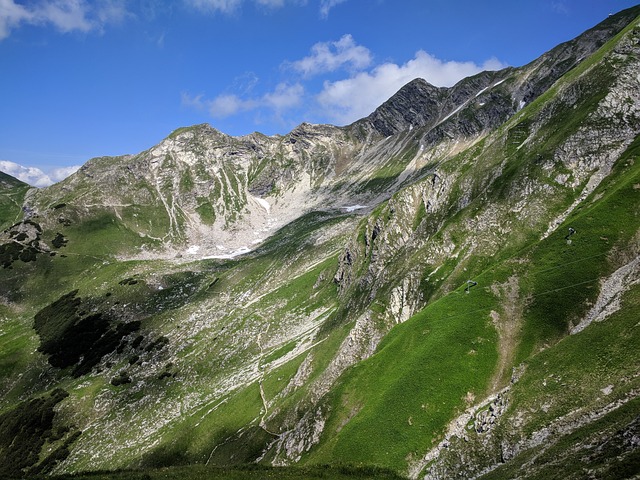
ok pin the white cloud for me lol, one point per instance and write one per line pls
(330, 56)
(560, 7)
(64, 15)
(227, 105)
(223, 6)
(59, 174)
(34, 176)
(326, 5)
(345, 101)
(31, 175)
(231, 6)
(285, 96)
(12, 15)
(271, 3)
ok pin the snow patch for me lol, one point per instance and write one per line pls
(263, 203)
(490, 86)
(482, 91)
(227, 256)
(454, 112)
(193, 249)
(353, 208)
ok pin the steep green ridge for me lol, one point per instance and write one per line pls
(477, 317)
(12, 192)
(429, 369)
(385, 402)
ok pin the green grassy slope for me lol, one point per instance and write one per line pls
(180, 311)
(12, 192)
(396, 406)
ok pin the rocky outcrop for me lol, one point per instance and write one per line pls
(417, 104)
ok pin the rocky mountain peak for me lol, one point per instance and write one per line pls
(416, 104)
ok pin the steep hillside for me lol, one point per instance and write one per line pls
(12, 193)
(447, 288)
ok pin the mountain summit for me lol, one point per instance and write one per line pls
(447, 288)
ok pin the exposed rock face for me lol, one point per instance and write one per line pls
(417, 104)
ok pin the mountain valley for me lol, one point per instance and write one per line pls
(447, 288)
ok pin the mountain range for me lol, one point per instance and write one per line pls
(447, 288)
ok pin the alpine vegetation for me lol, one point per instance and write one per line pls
(447, 288)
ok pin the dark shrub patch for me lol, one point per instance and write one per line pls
(73, 335)
(121, 379)
(23, 432)
(137, 341)
(9, 253)
(28, 254)
(24, 244)
(157, 344)
(59, 241)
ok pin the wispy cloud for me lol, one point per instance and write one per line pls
(232, 6)
(271, 3)
(560, 7)
(327, 5)
(347, 100)
(64, 15)
(222, 6)
(59, 174)
(330, 56)
(34, 176)
(12, 15)
(285, 96)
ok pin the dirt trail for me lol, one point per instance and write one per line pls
(508, 324)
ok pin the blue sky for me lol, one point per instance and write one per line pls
(86, 78)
